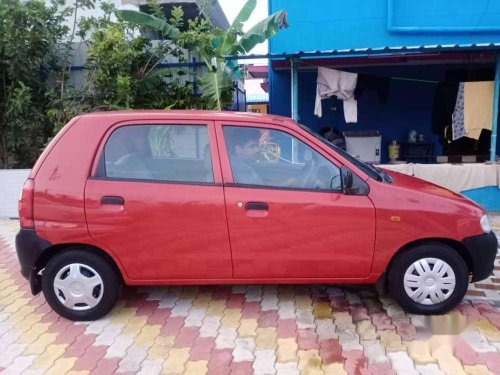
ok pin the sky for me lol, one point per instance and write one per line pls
(231, 9)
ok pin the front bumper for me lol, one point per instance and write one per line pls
(482, 250)
(30, 247)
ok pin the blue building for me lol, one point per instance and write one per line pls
(417, 51)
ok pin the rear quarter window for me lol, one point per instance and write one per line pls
(178, 153)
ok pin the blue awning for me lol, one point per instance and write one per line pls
(364, 52)
(258, 98)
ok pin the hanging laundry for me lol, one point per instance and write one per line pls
(457, 122)
(331, 82)
(478, 107)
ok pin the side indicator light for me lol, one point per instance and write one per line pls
(396, 218)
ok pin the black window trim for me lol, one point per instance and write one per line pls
(169, 182)
(100, 172)
(251, 186)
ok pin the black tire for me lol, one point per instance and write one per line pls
(429, 250)
(110, 279)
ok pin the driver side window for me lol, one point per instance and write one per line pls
(268, 157)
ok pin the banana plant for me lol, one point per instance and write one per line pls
(217, 82)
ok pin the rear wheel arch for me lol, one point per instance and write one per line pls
(54, 250)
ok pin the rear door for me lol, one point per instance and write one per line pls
(287, 215)
(155, 199)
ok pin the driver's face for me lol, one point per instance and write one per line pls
(249, 151)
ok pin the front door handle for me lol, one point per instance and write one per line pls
(262, 206)
(111, 199)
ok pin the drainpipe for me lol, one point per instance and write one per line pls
(295, 88)
(494, 123)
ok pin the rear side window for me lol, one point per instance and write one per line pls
(178, 153)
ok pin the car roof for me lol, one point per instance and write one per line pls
(191, 115)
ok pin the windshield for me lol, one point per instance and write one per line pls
(368, 169)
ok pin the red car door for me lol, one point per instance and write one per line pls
(287, 216)
(156, 201)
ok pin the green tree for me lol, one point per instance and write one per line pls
(29, 34)
(213, 44)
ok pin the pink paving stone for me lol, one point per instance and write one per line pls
(287, 328)
(268, 319)
(61, 326)
(51, 317)
(71, 334)
(484, 307)
(330, 351)
(221, 294)
(172, 326)
(186, 337)
(359, 313)
(307, 339)
(107, 366)
(43, 309)
(355, 362)
(219, 361)
(235, 301)
(466, 354)
(202, 348)
(148, 308)
(470, 312)
(381, 369)
(492, 360)
(89, 360)
(339, 304)
(406, 330)
(241, 368)
(79, 346)
(382, 321)
(160, 317)
(251, 310)
(494, 318)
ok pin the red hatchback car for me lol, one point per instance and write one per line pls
(193, 197)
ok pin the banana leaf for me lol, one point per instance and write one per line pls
(147, 20)
(229, 38)
(244, 15)
(215, 85)
(260, 32)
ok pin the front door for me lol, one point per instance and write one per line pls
(287, 215)
(156, 201)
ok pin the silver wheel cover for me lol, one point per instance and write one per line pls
(429, 281)
(78, 287)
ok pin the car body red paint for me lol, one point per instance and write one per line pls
(179, 233)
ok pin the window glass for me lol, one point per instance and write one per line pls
(159, 152)
(274, 158)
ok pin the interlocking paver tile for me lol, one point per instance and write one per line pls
(246, 329)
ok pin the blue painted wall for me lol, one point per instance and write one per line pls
(339, 24)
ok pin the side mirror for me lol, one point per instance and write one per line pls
(352, 184)
(347, 181)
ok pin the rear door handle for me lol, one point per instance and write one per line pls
(110, 199)
(262, 206)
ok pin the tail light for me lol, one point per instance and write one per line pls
(26, 219)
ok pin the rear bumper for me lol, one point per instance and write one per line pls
(482, 250)
(30, 247)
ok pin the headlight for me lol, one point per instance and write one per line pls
(485, 224)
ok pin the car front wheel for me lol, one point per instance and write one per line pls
(80, 285)
(428, 279)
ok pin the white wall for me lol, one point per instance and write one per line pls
(11, 184)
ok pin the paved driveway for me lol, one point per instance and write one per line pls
(246, 329)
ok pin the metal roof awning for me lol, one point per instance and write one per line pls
(366, 52)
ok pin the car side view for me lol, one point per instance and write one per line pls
(199, 197)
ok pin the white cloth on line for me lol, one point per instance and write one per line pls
(332, 82)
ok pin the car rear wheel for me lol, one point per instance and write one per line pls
(80, 285)
(428, 279)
